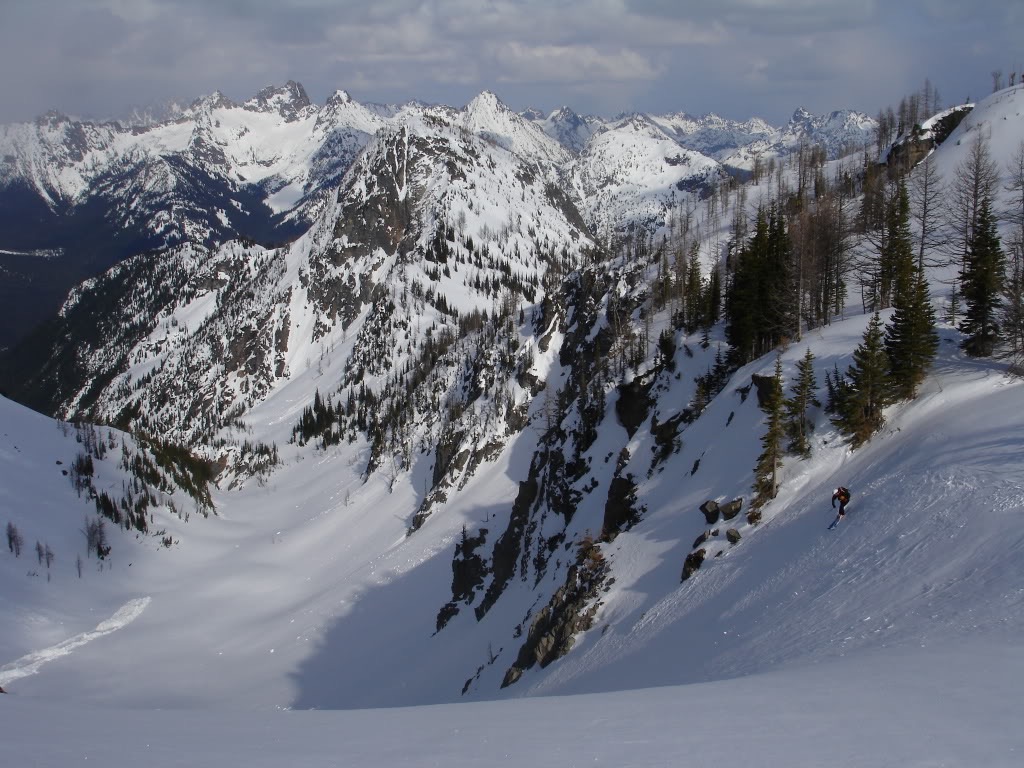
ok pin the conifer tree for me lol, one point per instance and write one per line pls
(761, 304)
(982, 281)
(867, 391)
(780, 296)
(742, 300)
(910, 341)
(766, 483)
(798, 426)
(693, 291)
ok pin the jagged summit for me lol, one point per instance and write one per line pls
(215, 100)
(801, 115)
(262, 170)
(287, 100)
(340, 96)
(487, 116)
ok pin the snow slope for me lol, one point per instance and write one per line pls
(904, 623)
(916, 710)
(893, 640)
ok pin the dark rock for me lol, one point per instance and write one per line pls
(763, 385)
(730, 510)
(710, 510)
(733, 535)
(620, 512)
(633, 404)
(693, 562)
(701, 539)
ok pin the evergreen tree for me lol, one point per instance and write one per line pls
(743, 305)
(766, 483)
(798, 426)
(761, 303)
(982, 281)
(780, 296)
(867, 390)
(910, 341)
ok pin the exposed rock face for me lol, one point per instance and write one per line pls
(915, 147)
(468, 573)
(634, 404)
(733, 535)
(693, 562)
(570, 611)
(620, 509)
(763, 385)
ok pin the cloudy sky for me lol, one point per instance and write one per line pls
(739, 58)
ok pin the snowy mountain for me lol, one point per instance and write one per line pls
(461, 454)
(91, 194)
(633, 171)
(566, 127)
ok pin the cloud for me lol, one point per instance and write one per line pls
(738, 57)
(519, 62)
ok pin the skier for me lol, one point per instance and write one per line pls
(843, 495)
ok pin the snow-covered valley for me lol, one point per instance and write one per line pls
(471, 476)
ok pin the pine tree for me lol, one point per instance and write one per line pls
(798, 426)
(982, 281)
(743, 317)
(761, 301)
(910, 341)
(780, 296)
(867, 391)
(766, 483)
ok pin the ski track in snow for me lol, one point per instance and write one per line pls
(30, 663)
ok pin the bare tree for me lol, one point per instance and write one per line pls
(1013, 292)
(14, 539)
(926, 194)
(974, 180)
(95, 533)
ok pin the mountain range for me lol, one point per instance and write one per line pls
(77, 197)
(454, 439)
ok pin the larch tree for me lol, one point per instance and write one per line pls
(926, 194)
(974, 180)
(1013, 291)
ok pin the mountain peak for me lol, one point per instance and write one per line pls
(801, 115)
(486, 101)
(287, 100)
(215, 100)
(339, 97)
